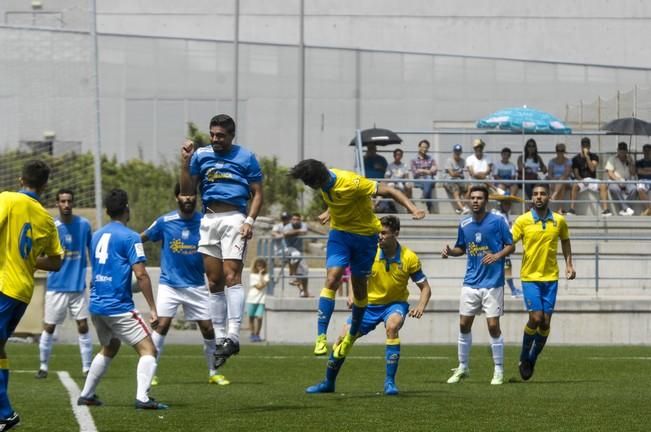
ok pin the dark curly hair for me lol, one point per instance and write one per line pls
(312, 172)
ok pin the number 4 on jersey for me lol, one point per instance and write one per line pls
(101, 250)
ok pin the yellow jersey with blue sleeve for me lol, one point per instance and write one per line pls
(348, 196)
(540, 243)
(390, 275)
(27, 231)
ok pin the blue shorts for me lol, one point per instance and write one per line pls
(376, 314)
(540, 296)
(11, 311)
(355, 250)
(255, 309)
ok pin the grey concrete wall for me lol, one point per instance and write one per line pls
(442, 61)
(577, 321)
(593, 32)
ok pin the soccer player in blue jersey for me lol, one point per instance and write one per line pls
(231, 190)
(352, 239)
(485, 238)
(393, 266)
(182, 280)
(115, 252)
(28, 241)
(66, 288)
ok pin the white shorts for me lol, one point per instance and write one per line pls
(474, 301)
(195, 302)
(57, 304)
(129, 327)
(644, 186)
(220, 235)
(593, 186)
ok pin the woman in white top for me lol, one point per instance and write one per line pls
(258, 280)
(532, 165)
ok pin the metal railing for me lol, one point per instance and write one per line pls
(277, 260)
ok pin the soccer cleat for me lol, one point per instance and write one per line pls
(225, 350)
(321, 345)
(41, 374)
(219, 380)
(89, 401)
(526, 369)
(154, 381)
(151, 404)
(459, 374)
(498, 378)
(322, 387)
(342, 347)
(11, 421)
(390, 388)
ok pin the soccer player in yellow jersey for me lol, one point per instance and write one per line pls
(28, 241)
(352, 239)
(539, 229)
(393, 266)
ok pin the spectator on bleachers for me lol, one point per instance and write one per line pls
(455, 168)
(479, 166)
(399, 170)
(278, 235)
(532, 165)
(643, 168)
(423, 167)
(619, 168)
(294, 232)
(560, 168)
(584, 169)
(505, 170)
(375, 165)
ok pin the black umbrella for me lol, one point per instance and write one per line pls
(628, 126)
(379, 137)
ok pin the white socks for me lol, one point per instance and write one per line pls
(209, 352)
(45, 348)
(86, 350)
(464, 345)
(497, 347)
(218, 313)
(159, 341)
(145, 373)
(98, 368)
(235, 300)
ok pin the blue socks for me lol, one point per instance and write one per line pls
(539, 343)
(527, 342)
(392, 356)
(359, 307)
(5, 405)
(332, 369)
(326, 308)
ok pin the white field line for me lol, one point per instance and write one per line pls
(619, 358)
(82, 413)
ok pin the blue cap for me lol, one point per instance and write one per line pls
(457, 148)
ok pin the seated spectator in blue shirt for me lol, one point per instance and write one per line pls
(559, 168)
(375, 165)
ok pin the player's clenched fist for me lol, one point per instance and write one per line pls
(187, 150)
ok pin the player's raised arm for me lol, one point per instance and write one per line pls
(390, 192)
(188, 182)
